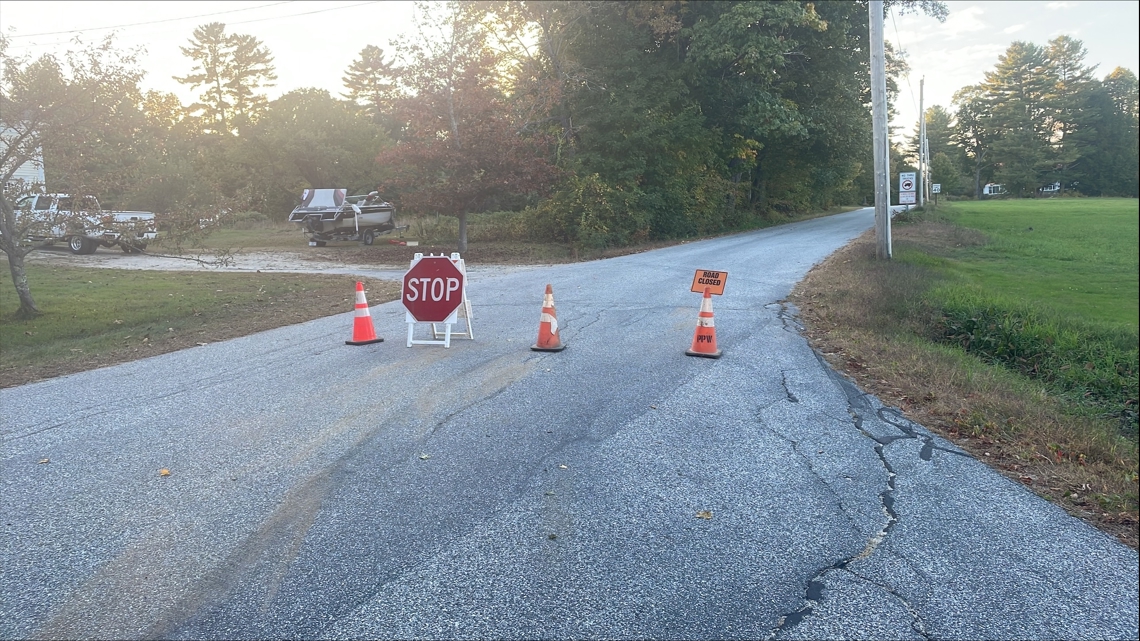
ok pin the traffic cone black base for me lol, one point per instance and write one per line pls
(374, 340)
(548, 339)
(363, 333)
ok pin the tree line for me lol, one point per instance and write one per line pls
(1040, 118)
(604, 123)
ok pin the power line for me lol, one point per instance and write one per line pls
(28, 46)
(307, 13)
(902, 51)
(140, 24)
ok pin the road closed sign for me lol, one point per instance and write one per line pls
(433, 289)
(714, 280)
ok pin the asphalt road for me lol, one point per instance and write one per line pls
(488, 491)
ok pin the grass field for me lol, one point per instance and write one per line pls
(1077, 257)
(1051, 292)
(97, 317)
(1011, 328)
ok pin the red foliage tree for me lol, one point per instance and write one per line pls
(461, 145)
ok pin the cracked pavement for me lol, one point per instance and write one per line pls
(617, 489)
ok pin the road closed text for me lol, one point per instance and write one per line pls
(714, 280)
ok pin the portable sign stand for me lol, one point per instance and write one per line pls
(440, 290)
(465, 308)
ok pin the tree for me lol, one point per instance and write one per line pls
(1017, 91)
(944, 172)
(51, 105)
(939, 134)
(974, 131)
(1068, 118)
(232, 69)
(462, 145)
(250, 69)
(1113, 136)
(370, 83)
(307, 138)
(536, 37)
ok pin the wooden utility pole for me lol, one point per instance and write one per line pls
(921, 146)
(881, 137)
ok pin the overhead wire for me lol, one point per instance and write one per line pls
(906, 71)
(31, 45)
(141, 24)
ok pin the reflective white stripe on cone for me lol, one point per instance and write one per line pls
(704, 338)
(548, 339)
(363, 333)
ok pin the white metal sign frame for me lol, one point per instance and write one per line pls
(451, 319)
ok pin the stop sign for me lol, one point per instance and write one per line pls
(433, 289)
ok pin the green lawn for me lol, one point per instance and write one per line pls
(1075, 256)
(1049, 288)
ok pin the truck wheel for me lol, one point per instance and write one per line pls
(369, 236)
(80, 245)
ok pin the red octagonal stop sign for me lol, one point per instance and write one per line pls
(433, 288)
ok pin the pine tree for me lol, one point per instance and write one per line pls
(232, 69)
(974, 132)
(1109, 167)
(250, 69)
(209, 49)
(1068, 117)
(369, 81)
(1017, 91)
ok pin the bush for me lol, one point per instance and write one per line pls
(1095, 366)
(589, 213)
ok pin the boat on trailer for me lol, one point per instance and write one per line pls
(331, 214)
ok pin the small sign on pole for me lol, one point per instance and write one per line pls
(714, 280)
(906, 187)
(936, 188)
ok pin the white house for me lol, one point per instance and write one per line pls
(30, 172)
(993, 189)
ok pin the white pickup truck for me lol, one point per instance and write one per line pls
(83, 225)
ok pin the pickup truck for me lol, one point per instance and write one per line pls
(84, 225)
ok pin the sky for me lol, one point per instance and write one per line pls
(313, 43)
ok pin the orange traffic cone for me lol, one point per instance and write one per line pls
(362, 331)
(704, 339)
(548, 340)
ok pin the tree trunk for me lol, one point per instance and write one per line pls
(462, 232)
(978, 175)
(28, 307)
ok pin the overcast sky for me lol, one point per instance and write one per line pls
(314, 42)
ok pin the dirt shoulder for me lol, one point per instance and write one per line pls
(853, 305)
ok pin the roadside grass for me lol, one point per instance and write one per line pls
(493, 237)
(980, 344)
(98, 317)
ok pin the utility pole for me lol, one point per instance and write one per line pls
(881, 142)
(921, 145)
(929, 172)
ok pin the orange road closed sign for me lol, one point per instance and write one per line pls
(708, 278)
